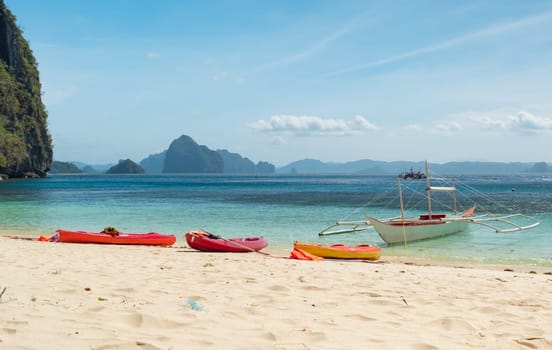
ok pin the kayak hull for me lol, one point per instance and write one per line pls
(201, 241)
(341, 251)
(151, 238)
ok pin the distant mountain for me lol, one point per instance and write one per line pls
(153, 164)
(64, 168)
(265, 168)
(373, 167)
(314, 166)
(541, 167)
(92, 168)
(126, 166)
(87, 169)
(192, 157)
(233, 163)
(185, 156)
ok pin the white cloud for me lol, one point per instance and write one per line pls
(361, 123)
(449, 127)
(493, 122)
(529, 122)
(312, 125)
(490, 123)
(499, 122)
(522, 122)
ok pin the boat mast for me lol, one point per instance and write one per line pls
(400, 197)
(454, 197)
(428, 190)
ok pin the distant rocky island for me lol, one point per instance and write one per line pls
(126, 166)
(375, 167)
(64, 168)
(154, 164)
(185, 156)
(25, 143)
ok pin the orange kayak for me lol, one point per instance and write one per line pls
(151, 238)
(341, 251)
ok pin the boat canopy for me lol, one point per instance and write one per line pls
(441, 189)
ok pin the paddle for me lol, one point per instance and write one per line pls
(212, 235)
(244, 246)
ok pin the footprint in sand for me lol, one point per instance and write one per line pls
(269, 336)
(127, 346)
(68, 291)
(278, 288)
(361, 317)
(424, 347)
(8, 330)
(451, 324)
(310, 335)
(139, 320)
(371, 294)
(314, 288)
(96, 309)
(291, 346)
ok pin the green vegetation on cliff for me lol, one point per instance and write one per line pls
(64, 168)
(186, 156)
(126, 166)
(25, 144)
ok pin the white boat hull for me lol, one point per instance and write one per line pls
(414, 230)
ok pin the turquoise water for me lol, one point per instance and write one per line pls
(280, 208)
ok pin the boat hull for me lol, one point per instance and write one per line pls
(200, 241)
(415, 230)
(151, 238)
(340, 251)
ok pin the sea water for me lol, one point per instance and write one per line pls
(282, 208)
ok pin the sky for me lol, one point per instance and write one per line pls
(285, 80)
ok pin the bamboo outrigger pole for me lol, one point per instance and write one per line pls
(428, 190)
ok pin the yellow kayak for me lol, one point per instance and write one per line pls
(341, 251)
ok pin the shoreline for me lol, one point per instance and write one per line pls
(283, 251)
(135, 297)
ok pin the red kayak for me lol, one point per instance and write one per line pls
(207, 242)
(151, 238)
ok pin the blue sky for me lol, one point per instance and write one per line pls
(281, 81)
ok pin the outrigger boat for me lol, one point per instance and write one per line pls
(431, 225)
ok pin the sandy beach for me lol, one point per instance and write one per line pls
(72, 296)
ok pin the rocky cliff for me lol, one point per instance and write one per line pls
(126, 166)
(236, 164)
(153, 164)
(185, 156)
(189, 157)
(25, 144)
(64, 168)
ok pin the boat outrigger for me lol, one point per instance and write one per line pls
(431, 225)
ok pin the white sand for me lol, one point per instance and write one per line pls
(175, 298)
